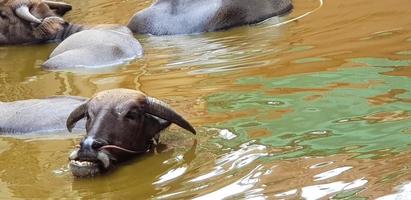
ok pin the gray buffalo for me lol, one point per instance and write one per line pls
(100, 46)
(36, 116)
(169, 17)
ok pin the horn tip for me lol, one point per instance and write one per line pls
(69, 127)
(192, 130)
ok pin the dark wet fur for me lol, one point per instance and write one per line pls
(14, 30)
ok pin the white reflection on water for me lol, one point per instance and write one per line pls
(180, 194)
(176, 159)
(331, 173)
(322, 164)
(404, 193)
(171, 175)
(244, 184)
(320, 191)
(301, 16)
(288, 193)
(226, 134)
(235, 173)
(235, 160)
(239, 174)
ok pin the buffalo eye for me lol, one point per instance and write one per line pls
(132, 115)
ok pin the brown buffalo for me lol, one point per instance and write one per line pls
(119, 123)
(33, 21)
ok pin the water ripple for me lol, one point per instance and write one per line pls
(237, 170)
(171, 175)
(404, 193)
(331, 173)
(234, 160)
(319, 191)
(242, 185)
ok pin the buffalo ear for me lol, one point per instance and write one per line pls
(76, 115)
(60, 8)
(154, 125)
(160, 109)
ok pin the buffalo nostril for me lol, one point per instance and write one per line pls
(97, 145)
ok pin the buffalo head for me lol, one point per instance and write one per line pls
(30, 21)
(120, 123)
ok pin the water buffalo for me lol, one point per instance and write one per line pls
(169, 17)
(100, 46)
(37, 115)
(39, 21)
(120, 123)
(32, 21)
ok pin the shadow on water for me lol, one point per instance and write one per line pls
(315, 108)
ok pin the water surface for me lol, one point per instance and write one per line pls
(315, 108)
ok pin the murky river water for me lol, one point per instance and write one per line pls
(315, 108)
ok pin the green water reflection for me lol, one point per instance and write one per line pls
(323, 113)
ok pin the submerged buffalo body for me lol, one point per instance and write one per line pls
(168, 17)
(97, 47)
(37, 115)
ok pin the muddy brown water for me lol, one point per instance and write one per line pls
(316, 108)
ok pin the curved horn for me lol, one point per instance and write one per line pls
(60, 7)
(76, 115)
(162, 110)
(24, 13)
